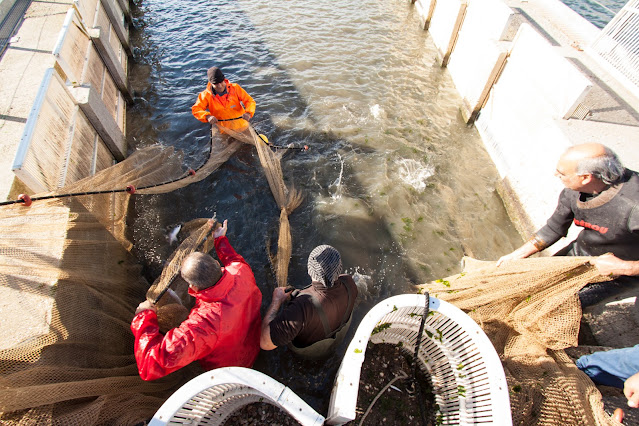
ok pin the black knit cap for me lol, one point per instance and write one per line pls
(324, 264)
(215, 75)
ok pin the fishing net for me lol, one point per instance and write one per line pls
(287, 199)
(69, 290)
(531, 312)
(156, 169)
(197, 240)
(70, 286)
(151, 170)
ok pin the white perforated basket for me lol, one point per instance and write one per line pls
(211, 397)
(468, 379)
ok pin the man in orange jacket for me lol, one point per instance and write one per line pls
(222, 329)
(223, 100)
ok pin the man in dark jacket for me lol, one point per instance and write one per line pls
(602, 197)
(222, 329)
(318, 316)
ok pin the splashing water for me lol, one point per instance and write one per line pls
(336, 186)
(414, 173)
(376, 111)
(364, 285)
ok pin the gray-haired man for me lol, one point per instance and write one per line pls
(602, 197)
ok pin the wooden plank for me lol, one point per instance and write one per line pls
(455, 33)
(431, 11)
(44, 142)
(80, 153)
(103, 157)
(500, 63)
(71, 49)
(110, 96)
(88, 11)
(126, 9)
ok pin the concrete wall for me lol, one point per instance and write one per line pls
(86, 48)
(521, 93)
(479, 49)
(517, 124)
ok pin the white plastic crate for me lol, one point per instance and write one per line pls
(211, 397)
(468, 379)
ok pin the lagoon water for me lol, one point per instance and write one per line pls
(394, 179)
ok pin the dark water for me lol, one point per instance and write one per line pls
(394, 179)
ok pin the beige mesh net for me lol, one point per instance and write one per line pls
(287, 199)
(530, 310)
(197, 240)
(69, 288)
(152, 170)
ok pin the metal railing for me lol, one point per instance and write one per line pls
(618, 44)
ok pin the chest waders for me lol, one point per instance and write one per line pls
(326, 346)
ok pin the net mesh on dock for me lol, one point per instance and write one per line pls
(530, 310)
(69, 290)
(70, 287)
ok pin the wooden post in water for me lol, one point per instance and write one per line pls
(500, 63)
(455, 34)
(431, 11)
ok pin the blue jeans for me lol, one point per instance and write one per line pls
(611, 368)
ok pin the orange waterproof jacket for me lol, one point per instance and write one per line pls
(231, 105)
(222, 329)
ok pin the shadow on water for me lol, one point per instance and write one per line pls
(174, 43)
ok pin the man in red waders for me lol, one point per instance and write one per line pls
(223, 100)
(222, 329)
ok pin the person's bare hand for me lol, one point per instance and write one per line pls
(521, 253)
(246, 116)
(211, 119)
(280, 295)
(507, 258)
(221, 230)
(517, 254)
(631, 390)
(146, 305)
(609, 265)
